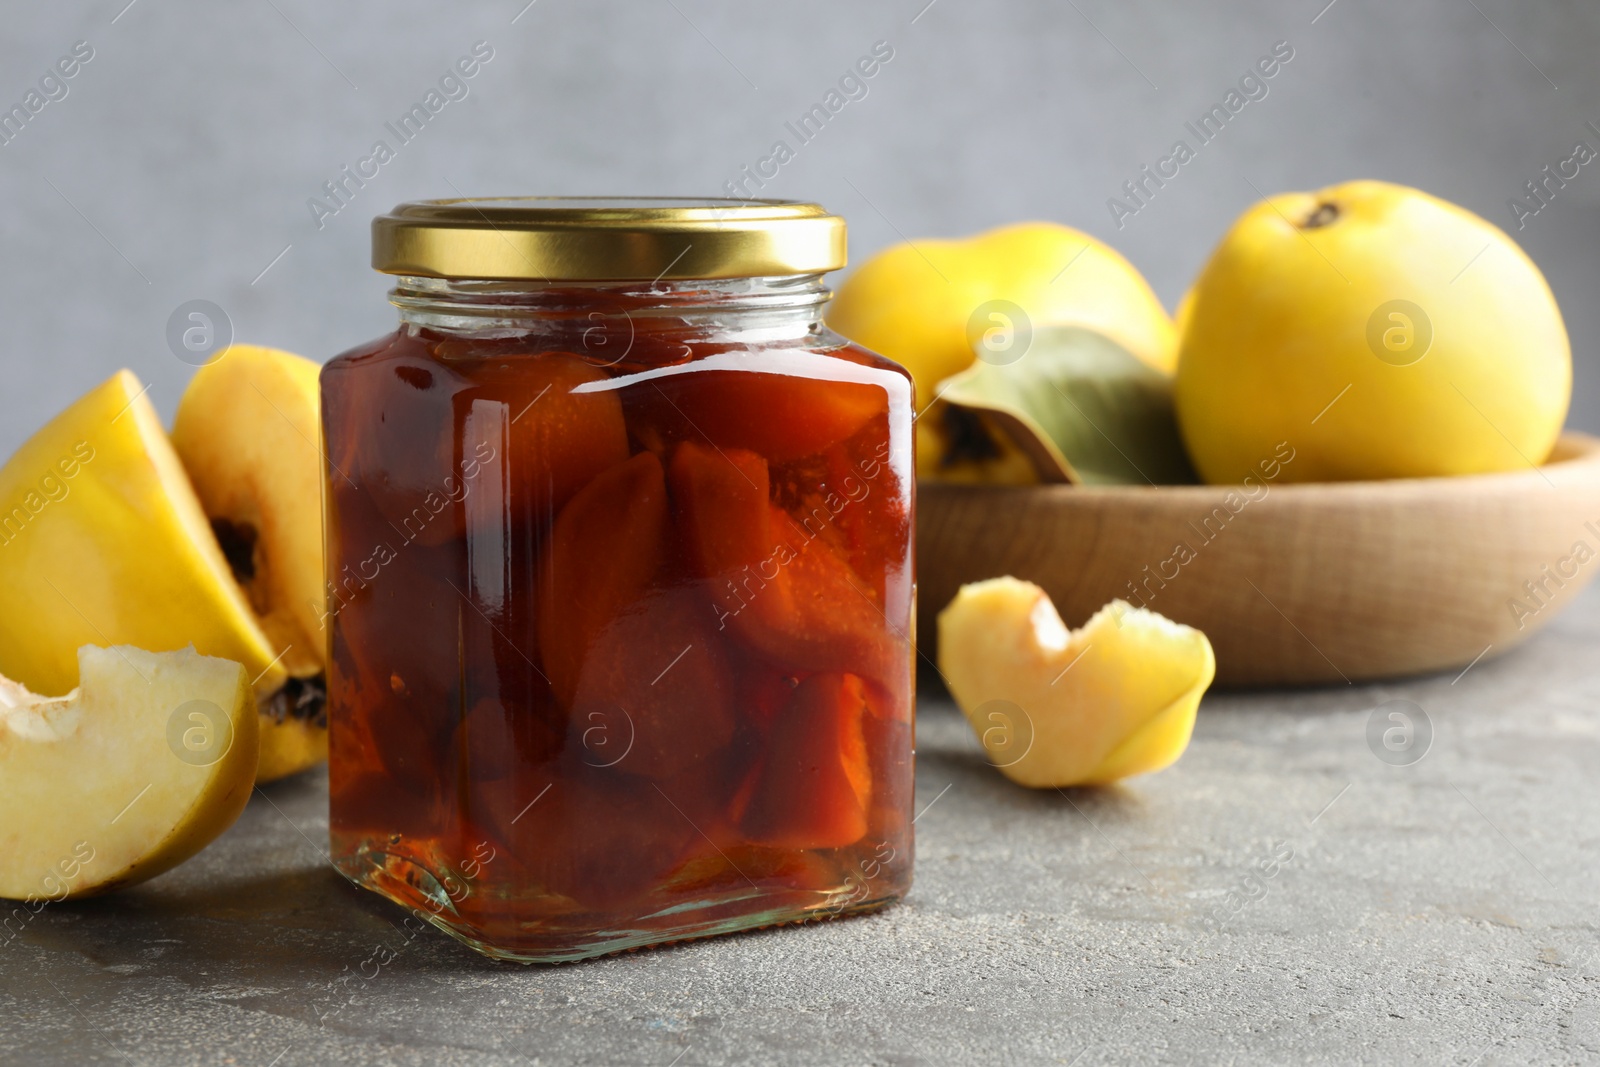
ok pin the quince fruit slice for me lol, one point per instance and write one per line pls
(764, 402)
(130, 774)
(815, 787)
(789, 597)
(1055, 707)
(604, 550)
(932, 305)
(248, 432)
(102, 541)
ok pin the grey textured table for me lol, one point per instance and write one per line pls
(1442, 912)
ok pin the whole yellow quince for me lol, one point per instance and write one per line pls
(1380, 332)
(931, 305)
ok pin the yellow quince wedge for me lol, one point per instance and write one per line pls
(1055, 707)
(248, 430)
(140, 767)
(103, 542)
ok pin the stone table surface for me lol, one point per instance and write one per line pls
(1280, 895)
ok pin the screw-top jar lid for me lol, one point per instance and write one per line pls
(555, 238)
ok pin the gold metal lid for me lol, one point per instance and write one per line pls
(555, 238)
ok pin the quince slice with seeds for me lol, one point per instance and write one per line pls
(248, 430)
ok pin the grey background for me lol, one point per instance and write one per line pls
(181, 161)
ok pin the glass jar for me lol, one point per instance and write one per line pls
(620, 586)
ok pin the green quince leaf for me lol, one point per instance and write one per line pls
(1081, 407)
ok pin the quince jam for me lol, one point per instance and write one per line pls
(619, 605)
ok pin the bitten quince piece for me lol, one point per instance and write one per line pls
(140, 767)
(102, 541)
(1056, 707)
(927, 305)
(248, 433)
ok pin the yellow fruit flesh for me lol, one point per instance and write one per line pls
(914, 302)
(102, 541)
(289, 747)
(94, 794)
(1276, 343)
(248, 430)
(1114, 698)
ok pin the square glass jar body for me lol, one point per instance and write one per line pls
(619, 607)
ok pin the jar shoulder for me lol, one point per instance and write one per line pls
(396, 342)
(462, 351)
(828, 342)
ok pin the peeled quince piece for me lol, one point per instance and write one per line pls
(931, 305)
(248, 431)
(1055, 707)
(130, 774)
(1377, 331)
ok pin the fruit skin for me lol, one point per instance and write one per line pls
(1112, 699)
(914, 302)
(248, 432)
(289, 747)
(1275, 334)
(118, 551)
(93, 796)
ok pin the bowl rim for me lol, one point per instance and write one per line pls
(1574, 456)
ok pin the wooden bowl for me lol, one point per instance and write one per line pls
(1328, 582)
